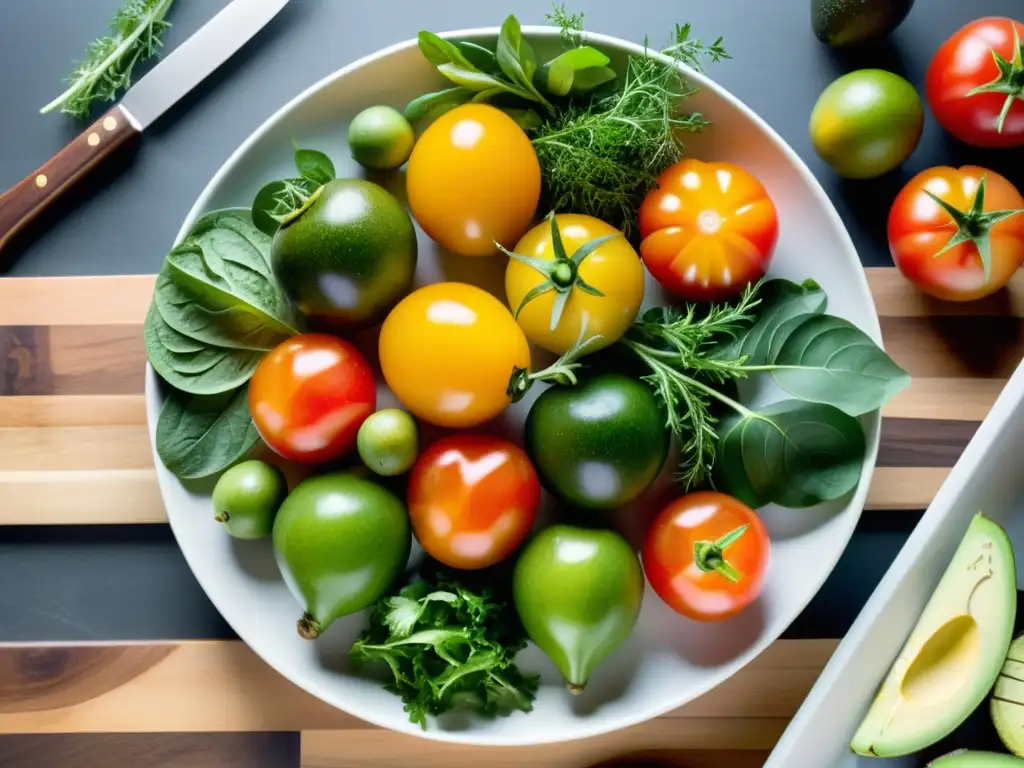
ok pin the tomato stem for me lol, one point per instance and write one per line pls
(562, 371)
(973, 225)
(1010, 79)
(710, 555)
(309, 627)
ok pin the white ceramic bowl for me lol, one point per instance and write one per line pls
(668, 660)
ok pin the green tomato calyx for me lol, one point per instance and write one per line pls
(710, 555)
(973, 225)
(561, 273)
(1010, 79)
(562, 371)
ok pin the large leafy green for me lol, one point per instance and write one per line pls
(792, 453)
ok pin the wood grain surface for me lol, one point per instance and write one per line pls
(74, 446)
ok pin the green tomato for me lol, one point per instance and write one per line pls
(340, 541)
(247, 497)
(599, 444)
(867, 123)
(380, 138)
(387, 442)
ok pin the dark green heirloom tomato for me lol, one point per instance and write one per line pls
(578, 593)
(599, 444)
(348, 256)
(341, 541)
(867, 123)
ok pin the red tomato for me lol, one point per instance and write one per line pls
(919, 228)
(309, 396)
(706, 555)
(472, 499)
(708, 229)
(968, 88)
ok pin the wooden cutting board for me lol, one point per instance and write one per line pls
(74, 449)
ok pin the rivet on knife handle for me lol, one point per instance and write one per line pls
(32, 194)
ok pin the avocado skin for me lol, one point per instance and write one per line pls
(840, 23)
(349, 257)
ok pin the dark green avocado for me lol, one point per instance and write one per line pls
(841, 23)
(348, 256)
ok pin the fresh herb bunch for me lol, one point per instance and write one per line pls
(797, 452)
(448, 647)
(136, 33)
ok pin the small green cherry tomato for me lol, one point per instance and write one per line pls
(388, 442)
(247, 497)
(380, 138)
(867, 123)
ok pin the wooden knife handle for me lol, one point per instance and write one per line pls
(31, 195)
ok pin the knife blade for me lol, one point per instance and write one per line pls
(174, 76)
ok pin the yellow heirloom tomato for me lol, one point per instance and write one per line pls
(473, 179)
(448, 351)
(574, 276)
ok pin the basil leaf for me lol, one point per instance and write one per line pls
(480, 57)
(199, 435)
(515, 55)
(780, 301)
(793, 453)
(314, 165)
(185, 364)
(485, 96)
(826, 359)
(435, 104)
(588, 79)
(561, 71)
(474, 79)
(526, 119)
(439, 51)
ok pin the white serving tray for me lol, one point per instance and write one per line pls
(988, 478)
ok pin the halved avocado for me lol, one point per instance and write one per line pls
(968, 759)
(1007, 706)
(953, 654)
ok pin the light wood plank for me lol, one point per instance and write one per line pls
(895, 296)
(75, 448)
(910, 488)
(103, 300)
(80, 497)
(223, 686)
(73, 411)
(945, 398)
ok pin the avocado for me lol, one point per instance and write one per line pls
(347, 256)
(848, 22)
(1007, 708)
(966, 759)
(954, 653)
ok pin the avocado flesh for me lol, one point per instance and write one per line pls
(968, 759)
(848, 22)
(1007, 708)
(954, 653)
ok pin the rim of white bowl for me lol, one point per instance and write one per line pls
(643, 714)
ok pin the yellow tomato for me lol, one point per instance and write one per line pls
(613, 269)
(473, 179)
(447, 351)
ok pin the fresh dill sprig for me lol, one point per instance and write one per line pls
(571, 25)
(136, 33)
(674, 344)
(601, 155)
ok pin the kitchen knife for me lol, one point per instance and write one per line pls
(177, 74)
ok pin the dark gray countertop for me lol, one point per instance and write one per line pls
(54, 584)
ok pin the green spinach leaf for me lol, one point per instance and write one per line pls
(314, 165)
(517, 59)
(793, 453)
(199, 435)
(825, 359)
(277, 199)
(436, 104)
(480, 57)
(559, 74)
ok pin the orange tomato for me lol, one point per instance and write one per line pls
(706, 555)
(447, 351)
(472, 500)
(708, 230)
(309, 396)
(473, 179)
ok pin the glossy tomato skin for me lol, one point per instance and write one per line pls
(668, 555)
(447, 351)
(965, 62)
(919, 228)
(309, 396)
(473, 179)
(472, 499)
(613, 268)
(708, 230)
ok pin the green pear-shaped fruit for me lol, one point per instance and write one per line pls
(341, 541)
(578, 593)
